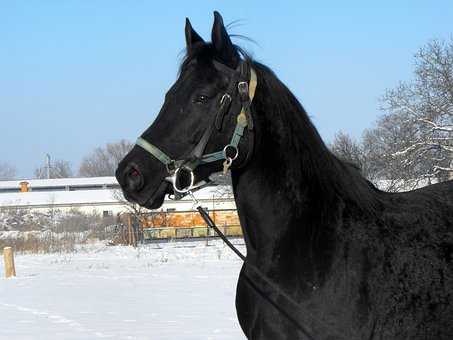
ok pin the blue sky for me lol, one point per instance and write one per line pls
(78, 74)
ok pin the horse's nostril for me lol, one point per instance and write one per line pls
(135, 173)
(133, 178)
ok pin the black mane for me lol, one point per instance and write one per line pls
(306, 153)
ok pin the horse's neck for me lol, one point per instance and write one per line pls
(264, 211)
(277, 222)
(288, 196)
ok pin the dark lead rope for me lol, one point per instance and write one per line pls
(286, 305)
(212, 225)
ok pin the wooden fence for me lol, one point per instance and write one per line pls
(193, 232)
(174, 225)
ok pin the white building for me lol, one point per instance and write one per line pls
(100, 194)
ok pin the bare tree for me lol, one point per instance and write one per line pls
(7, 171)
(416, 134)
(103, 161)
(348, 149)
(132, 208)
(58, 169)
(138, 214)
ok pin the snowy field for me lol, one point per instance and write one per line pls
(179, 290)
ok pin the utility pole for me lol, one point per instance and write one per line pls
(48, 165)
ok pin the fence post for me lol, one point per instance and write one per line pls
(8, 258)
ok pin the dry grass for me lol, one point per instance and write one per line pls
(42, 242)
(53, 231)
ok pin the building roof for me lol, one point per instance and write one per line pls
(54, 198)
(60, 182)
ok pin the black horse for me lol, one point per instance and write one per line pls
(360, 263)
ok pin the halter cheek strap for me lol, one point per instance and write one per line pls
(230, 152)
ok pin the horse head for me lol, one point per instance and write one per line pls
(204, 123)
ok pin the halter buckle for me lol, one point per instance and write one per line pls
(243, 89)
(226, 96)
(171, 167)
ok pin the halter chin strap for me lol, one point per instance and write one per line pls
(230, 152)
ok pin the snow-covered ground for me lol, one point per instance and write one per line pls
(177, 291)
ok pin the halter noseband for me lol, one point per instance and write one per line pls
(230, 152)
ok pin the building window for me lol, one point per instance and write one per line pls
(171, 209)
(107, 213)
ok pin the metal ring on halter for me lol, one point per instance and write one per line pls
(235, 150)
(174, 179)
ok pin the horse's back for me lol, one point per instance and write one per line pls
(414, 282)
(429, 207)
(442, 191)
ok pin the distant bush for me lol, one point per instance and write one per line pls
(42, 242)
(53, 231)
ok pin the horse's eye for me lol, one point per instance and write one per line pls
(201, 99)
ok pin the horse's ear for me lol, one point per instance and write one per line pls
(222, 42)
(192, 37)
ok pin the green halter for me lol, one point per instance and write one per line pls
(229, 153)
